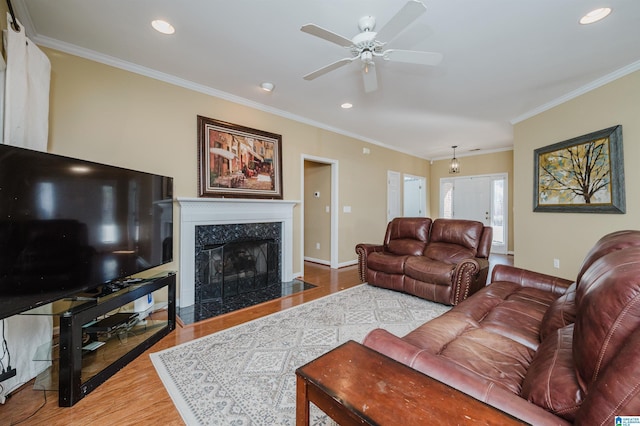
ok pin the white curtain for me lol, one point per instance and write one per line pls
(26, 106)
(26, 124)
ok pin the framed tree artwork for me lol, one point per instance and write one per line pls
(581, 175)
(237, 161)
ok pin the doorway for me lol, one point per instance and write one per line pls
(319, 203)
(482, 198)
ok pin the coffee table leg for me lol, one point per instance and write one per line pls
(302, 402)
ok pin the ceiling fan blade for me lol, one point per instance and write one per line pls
(325, 34)
(412, 56)
(370, 78)
(330, 67)
(405, 17)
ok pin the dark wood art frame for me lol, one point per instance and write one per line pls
(237, 161)
(581, 175)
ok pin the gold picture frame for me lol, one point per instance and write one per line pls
(237, 161)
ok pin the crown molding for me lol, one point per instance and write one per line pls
(633, 67)
(200, 88)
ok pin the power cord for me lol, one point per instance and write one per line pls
(8, 372)
(44, 402)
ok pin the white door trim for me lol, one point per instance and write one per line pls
(334, 206)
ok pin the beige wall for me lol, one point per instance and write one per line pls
(108, 115)
(113, 116)
(317, 221)
(494, 163)
(541, 237)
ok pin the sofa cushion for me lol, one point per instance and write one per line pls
(429, 271)
(407, 235)
(606, 402)
(449, 253)
(551, 380)
(561, 313)
(611, 242)
(608, 311)
(511, 310)
(465, 233)
(385, 262)
(405, 246)
(492, 356)
(454, 240)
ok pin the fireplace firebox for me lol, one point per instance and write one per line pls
(236, 259)
(239, 267)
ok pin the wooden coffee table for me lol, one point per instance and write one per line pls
(356, 385)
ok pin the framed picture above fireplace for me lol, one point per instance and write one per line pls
(237, 161)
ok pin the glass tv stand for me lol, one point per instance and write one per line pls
(96, 339)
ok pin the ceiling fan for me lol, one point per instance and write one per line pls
(367, 45)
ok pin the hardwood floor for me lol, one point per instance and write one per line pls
(135, 395)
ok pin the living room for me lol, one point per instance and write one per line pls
(107, 114)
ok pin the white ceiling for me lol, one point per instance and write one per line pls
(504, 60)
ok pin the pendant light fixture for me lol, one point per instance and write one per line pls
(454, 165)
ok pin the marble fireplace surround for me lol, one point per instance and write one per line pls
(223, 211)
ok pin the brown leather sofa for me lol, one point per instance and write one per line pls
(546, 350)
(444, 260)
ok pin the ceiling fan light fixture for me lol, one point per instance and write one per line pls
(163, 27)
(369, 44)
(595, 15)
(267, 87)
(454, 164)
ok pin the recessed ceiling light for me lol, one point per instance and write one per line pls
(267, 87)
(595, 15)
(346, 105)
(163, 26)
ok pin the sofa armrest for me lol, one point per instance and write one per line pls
(363, 250)
(462, 379)
(467, 278)
(527, 278)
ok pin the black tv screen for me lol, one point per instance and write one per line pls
(69, 226)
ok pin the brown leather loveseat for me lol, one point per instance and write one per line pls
(546, 350)
(444, 260)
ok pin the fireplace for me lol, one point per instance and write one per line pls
(238, 267)
(201, 212)
(235, 259)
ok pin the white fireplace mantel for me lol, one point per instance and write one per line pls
(224, 211)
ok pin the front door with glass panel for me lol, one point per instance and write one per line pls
(481, 198)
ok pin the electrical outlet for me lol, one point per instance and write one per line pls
(317, 246)
(556, 263)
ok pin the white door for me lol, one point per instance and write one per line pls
(472, 199)
(481, 198)
(393, 195)
(415, 196)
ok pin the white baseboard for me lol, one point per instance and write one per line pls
(320, 261)
(348, 263)
(326, 263)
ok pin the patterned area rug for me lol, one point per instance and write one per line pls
(245, 375)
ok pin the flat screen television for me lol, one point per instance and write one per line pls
(70, 226)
